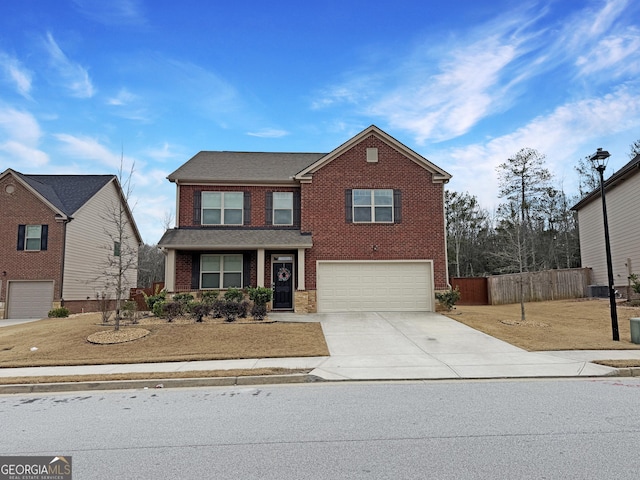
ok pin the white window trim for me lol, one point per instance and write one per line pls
(273, 210)
(27, 238)
(222, 209)
(372, 205)
(221, 272)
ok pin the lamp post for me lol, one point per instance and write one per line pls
(599, 162)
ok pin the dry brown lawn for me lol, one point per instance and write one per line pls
(64, 342)
(581, 324)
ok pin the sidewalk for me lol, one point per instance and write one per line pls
(386, 346)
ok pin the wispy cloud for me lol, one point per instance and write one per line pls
(74, 77)
(122, 98)
(269, 133)
(113, 12)
(90, 149)
(20, 137)
(16, 73)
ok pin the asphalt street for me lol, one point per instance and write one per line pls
(564, 429)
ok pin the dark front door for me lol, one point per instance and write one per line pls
(282, 276)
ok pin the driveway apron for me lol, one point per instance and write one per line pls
(424, 345)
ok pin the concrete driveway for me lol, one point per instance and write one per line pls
(420, 345)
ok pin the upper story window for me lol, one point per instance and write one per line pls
(372, 206)
(283, 208)
(222, 208)
(32, 237)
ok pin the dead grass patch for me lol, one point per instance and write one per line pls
(582, 324)
(64, 342)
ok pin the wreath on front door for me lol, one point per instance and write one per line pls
(284, 274)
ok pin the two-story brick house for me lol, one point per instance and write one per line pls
(361, 228)
(56, 240)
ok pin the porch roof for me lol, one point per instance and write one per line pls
(233, 238)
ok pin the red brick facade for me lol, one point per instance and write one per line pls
(22, 207)
(420, 234)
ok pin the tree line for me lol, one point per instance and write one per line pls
(533, 227)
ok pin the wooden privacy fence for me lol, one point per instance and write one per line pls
(538, 286)
(137, 294)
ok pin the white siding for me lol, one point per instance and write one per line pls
(88, 246)
(624, 232)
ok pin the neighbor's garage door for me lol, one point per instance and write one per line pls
(344, 286)
(30, 299)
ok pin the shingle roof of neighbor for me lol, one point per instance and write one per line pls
(199, 238)
(246, 166)
(67, 192)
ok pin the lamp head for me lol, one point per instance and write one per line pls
(599, 159)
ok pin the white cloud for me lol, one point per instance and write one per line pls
(613, 56)
(20, 137)
(124, 97)
(90, 149)
(74, 77)
(113, 12)
(269, 133)
(564, 135)
(16, 73)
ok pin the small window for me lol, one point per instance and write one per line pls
(116, 249)
(283, 208)
(220, 271)
(33, 237)
(372, 206)
(222, 208)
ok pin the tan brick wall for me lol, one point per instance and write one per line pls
(21, 207)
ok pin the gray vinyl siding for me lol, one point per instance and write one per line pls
(88, 246)
(624, 232)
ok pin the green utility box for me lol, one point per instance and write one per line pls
(635, 330)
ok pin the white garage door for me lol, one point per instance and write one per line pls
(30, 299)
(345, 286)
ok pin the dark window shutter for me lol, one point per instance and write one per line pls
(195, 271)
(21, 234)
(197, 207)
(268, 208)
(296, 208)
(397, 206)
(247, 208)
(44, 233)
(246, 271)
(347, 205)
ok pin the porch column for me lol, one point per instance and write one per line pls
(300, 269)
(260, 267)
(170, 270)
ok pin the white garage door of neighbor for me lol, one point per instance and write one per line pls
(345, 286)
(30, 299)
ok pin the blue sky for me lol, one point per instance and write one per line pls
(464, 83)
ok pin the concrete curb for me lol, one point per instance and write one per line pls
(157, 383)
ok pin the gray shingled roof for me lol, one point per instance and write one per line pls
(246, 166)
(67, 192)
(237, 238)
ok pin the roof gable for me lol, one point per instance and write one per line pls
(439, 175)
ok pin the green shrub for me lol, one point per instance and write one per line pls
(260, 295)
(448, 299)
(129, 311)
(59, 312)
(635, 282)
(210, 296)
(158, 308)
(182, 298)
(151, 300)
(234, 294)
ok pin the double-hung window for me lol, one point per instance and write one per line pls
(220, 271)
(283, 208)
(222, 208)
(372, 206)
(32, 237)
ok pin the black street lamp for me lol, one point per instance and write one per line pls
(599, 162)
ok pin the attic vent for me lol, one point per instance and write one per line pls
(372, 155)
(9, 189)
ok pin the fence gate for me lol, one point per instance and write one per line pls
(473, 291)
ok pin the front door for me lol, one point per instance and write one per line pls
(282, 275)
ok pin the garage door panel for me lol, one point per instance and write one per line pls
(374, 286)
(29, 299)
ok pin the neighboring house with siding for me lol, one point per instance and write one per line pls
(622, 191)
(56, 241)
(359, 228)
